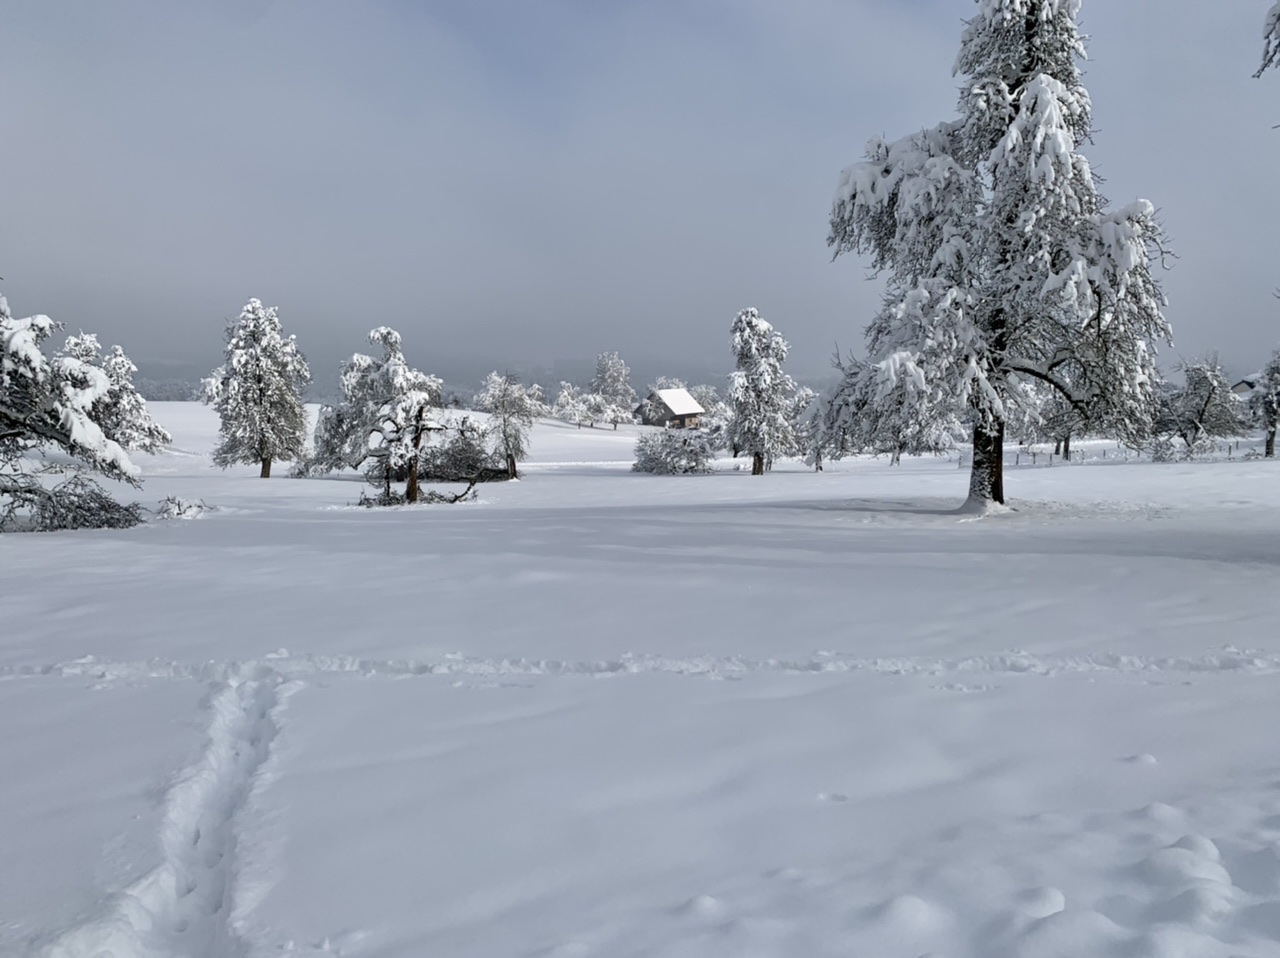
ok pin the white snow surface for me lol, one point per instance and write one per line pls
(598, 713)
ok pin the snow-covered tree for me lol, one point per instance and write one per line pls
(674, 452)
(869, 412)
(610, 395)
(760, 393)
(1004, 266)
(513, 408)
(716, 414)
(385, 418)
(47, 406)
(572, 405)
(1203, 408)
(257, 392)
(1264, 402)
(1271, 39)
(122, 412)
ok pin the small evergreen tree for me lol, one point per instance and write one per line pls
(716, 414)
(122, 412)
(760, 393)
(257, 392)
(513, 408)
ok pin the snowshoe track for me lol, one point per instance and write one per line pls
(182, 909)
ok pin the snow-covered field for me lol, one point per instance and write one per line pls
(605, 714)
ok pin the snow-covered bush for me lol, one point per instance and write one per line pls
(257, 392)
(673, 452)
(175, 507)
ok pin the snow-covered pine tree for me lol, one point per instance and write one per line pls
(1004, 267)
(1203, 408)
(760, 393)
(122, 412)
(257, 392)
(48, 405)
(387, 413)
(614, 401)
(1264, 402)
(512, 407)
(1271, 39)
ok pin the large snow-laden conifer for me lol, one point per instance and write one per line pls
(1004, 267)
(513, 407)
(257, 392)
(387, 414)
(121, 413)
(47, 406)
(760, 393)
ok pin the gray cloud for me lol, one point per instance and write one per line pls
(510, 182)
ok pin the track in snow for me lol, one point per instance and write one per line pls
(182, 909)
(283, 663)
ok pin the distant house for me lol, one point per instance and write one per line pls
(1246, 385)
(673, 408)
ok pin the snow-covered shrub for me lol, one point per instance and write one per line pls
(175, 507)
(674, 452)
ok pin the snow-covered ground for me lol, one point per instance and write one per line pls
(605, 714)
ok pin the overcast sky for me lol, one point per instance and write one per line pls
(516, 182)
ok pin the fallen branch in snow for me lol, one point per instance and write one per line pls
(76, 503)
(431, 496)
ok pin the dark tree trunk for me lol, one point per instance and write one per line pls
(757, 464)
(986, 478)
(615, 427)
(266, 468)
(411, 483)
(1269, 450)
(511, 467)
(1057, 447)
(1066, 448)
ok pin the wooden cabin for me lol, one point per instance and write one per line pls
(672, 408)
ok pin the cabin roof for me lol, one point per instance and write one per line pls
(679, 402)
